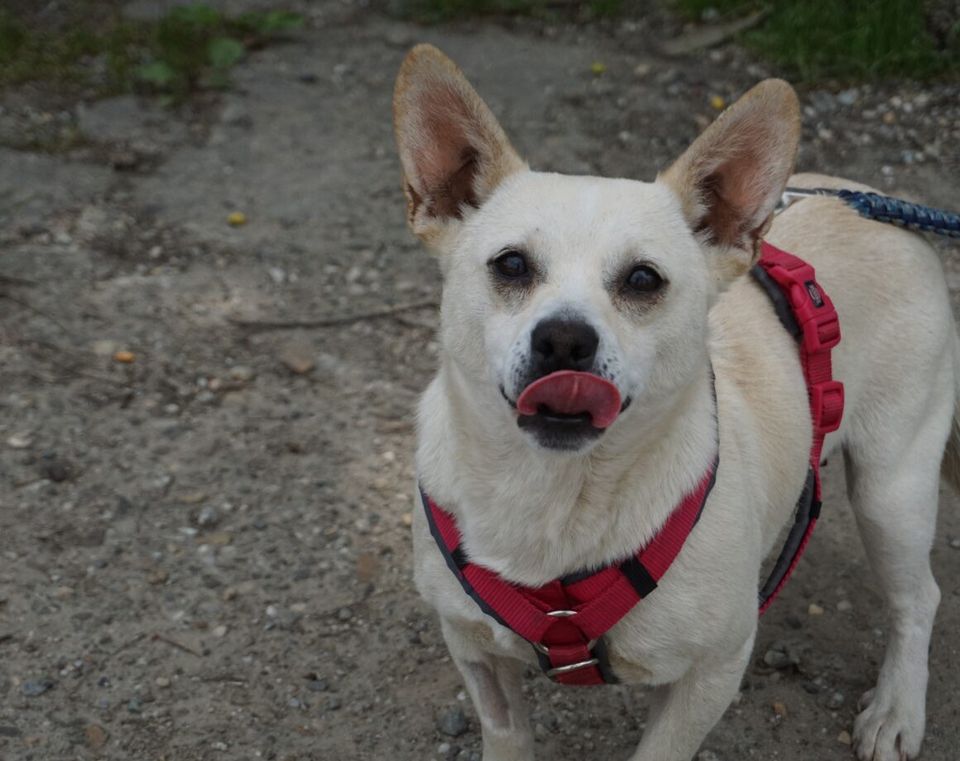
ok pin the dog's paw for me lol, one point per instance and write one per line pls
(890, 728)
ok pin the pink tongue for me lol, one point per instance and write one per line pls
(568, 392)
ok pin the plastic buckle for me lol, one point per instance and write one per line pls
(821, 332)
(826, 419)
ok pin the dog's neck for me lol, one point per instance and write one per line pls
(534, 515)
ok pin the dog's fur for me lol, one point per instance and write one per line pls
(533, 513)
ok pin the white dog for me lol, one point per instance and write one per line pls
(640, 289)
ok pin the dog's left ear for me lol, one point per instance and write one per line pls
(453, 151)
(730, 179)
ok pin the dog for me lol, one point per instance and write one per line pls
(643, 287)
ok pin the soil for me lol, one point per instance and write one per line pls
(205, 548)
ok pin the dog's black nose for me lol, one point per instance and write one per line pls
(563, 345)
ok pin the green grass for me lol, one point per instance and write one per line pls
(434, 11)
(847, 40)
(192, 47)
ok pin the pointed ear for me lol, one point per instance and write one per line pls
(453, 151)
(730, 179)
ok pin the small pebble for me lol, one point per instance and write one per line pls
(780, 709)
(452, 722)
(777, 659)
(848, 97)
(208, 517)
(844, 605)
(815, 610)
(162, 681)
(96, 736)
(297, 358)
(955, 544)
(844, 737)
(35, 687)
(236, 218)
(104, 348)
(835, 701)
(241, 373)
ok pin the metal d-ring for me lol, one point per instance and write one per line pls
(572, 667)
(545, 650)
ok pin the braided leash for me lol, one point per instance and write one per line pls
(895, 211)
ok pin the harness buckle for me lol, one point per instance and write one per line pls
(826, 406)
(821, 332)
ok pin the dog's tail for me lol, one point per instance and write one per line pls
(950, 470)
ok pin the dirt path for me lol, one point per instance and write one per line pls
(204, 551)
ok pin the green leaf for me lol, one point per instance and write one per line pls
(265, 23)
(197, 14)
(279, 21)
(224, 52)
(158, 73)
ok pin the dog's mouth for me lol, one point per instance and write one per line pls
(571, 396)
(566, 408)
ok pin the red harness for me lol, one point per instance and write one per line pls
(566, 619)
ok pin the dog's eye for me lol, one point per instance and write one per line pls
(511, 265)
(644, 279)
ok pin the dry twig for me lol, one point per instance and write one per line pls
(173, 643)
(329, 322)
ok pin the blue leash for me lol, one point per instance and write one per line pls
(880, 208)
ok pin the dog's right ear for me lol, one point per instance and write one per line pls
(453, 151)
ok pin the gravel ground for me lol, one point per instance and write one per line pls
(205, 550)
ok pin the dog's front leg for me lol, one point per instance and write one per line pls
(685, 711)
(494, 686)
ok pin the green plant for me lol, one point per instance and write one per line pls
(433, 11)
(196, 46)
(849, 40)
(192, 47)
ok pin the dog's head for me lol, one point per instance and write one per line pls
(568, 299)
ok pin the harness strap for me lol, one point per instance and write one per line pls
(809, 316)
(565, 620)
